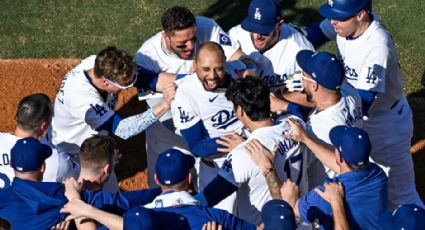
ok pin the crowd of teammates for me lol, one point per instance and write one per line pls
(264, 132)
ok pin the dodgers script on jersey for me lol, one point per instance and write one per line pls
(253, 191)
(348, 111)
(79, 109)
(58, 166)
(154, 55)
(279, 61)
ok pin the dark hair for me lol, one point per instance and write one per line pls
(252, 95)
(114, 64)
(177, 18)
(96, 151)
(32, 110)
(212, 47)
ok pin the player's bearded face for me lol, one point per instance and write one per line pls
(182, 42)
(210, 68)
(264, 42)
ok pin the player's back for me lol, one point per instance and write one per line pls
(253, 190)
(7, 141)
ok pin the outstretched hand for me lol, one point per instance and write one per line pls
(229, 142)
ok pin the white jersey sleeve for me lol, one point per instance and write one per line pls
(208, 28)
(185, 113)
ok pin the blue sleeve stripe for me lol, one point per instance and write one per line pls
(315, 35)
(111, 124)
(299, 111)
(147, 79)
(368, 97)
(197, 139)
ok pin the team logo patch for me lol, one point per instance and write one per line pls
(225, 40)
(257, 14)
(184, 116)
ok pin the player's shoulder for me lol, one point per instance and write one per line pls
(205, 22)
(293, 37)
(237, 31)
(6, 137)
(152, 43)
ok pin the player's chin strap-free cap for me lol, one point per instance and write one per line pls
(173, 166)
(325, 68)
(278, 214)
(343, 9)
(28, 154)
(352, 143)
(262, 16)
(407, 217)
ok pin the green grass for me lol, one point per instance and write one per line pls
(76, 29)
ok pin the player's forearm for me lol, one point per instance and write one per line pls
(273, 183)
(136, 124)
(322, 152)
(111, 221)
(236, 55)
(339, 217)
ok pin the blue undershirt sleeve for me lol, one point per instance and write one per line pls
(315, 35)
(228, 220)
(111, 124)
(135, 124)
(197, 139)
(146, 79)
(299, 110)
(368, 97)
(217, 190)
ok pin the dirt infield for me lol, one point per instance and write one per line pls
(23, 77)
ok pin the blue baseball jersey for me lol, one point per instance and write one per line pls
(366, 195)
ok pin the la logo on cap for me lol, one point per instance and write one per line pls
(331, 3)
(257, 14)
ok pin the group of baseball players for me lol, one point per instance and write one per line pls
(250, 129)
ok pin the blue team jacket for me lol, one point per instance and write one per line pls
(35, 205)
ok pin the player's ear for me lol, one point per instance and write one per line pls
(156, 179)
(280, 23)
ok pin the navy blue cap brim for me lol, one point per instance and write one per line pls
(336, 134)
(330, 13)
(253, 27)
(303, 59)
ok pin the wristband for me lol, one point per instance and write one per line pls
(268, 171)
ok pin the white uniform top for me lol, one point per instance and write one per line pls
(154, 56)
(58, 166)
(371, 64)
(239, 169)
(193, 103)
(79, 109)
(348, 111)
(280, 60)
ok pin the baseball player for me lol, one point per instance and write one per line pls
(365, 183)
(372, 67)
(33, 118)
(205, 118)
(270, 42)
(172, 51)
(85, 102)
(335, 103)
(250, 97)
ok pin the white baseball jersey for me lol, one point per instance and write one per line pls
(280, 60)
(154, 55)
(348, 111)
(239, 169)
(371, 64)
(58, 166)
(79, 109)
(193, 103)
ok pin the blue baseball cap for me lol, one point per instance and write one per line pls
(28, 154)
(343, 9)
(262, 16)
(352, 143)
(325, 68)
(407, 217)
(173, 166)
(278, 214)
